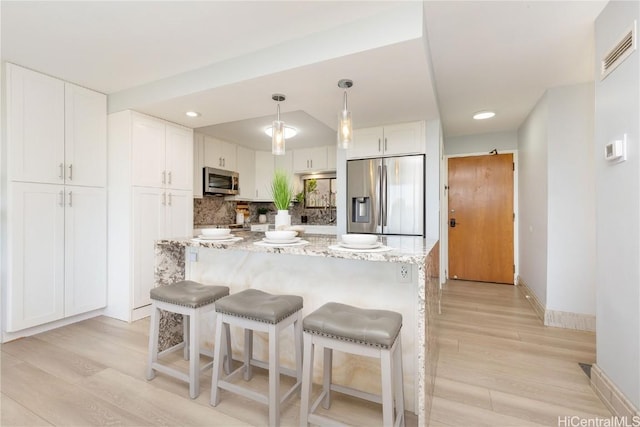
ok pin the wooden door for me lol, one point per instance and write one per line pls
(481, 218)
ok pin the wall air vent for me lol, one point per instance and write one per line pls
(619, 52)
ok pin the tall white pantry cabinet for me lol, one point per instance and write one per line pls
(54, 155)
(150, 198)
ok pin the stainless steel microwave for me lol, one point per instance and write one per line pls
(219, 182)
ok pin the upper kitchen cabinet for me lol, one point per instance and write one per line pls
(219, 154)
(198, 164)
(162, 153)
(310, 159)
(57, 130)
(246, 169)
(266, 164)
(391, 140)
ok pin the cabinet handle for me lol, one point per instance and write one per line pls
(311, 161)
(224, 162)
(70, 198)
(169, 199)
(164, 199)
(71, 172)
(378, 144)
(219, 161)
(61, 175)
(385, 143)
(164, 177)
(169, 177)
(61, 198)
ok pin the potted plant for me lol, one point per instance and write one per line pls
(282, 194)
(262, 215)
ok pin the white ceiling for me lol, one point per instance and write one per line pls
(226, 58)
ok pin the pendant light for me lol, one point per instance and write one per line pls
(345, 127)
(278, 136)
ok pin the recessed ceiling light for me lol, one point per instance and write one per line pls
(192, 114)
(289, 132)
(482, 115)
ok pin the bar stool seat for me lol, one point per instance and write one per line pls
(373, 333)
(255, 310)
(191, 300)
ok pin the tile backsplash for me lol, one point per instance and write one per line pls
(217, 210)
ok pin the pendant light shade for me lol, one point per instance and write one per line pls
(345, 126)
(278, 137)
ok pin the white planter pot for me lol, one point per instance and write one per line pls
(262, 218)
(283, 219)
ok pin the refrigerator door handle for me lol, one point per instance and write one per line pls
(379, 187)
(384, 195)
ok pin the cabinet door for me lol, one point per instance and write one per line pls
(367, 142)
(310, 159)
(148, 226)
(284, 163)
(35, 126)
(148, 152)
(35, 285)
(265, 164)
(179, 214)
(246, 168)
(85, 125)
(331, 157)
(85, 249)
(404, 138)
(179, 160)
(198, 164)
(219, 154)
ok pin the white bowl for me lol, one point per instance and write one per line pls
(280, 234)
(215, 231)
(359, 239)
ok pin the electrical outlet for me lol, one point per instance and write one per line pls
(404, 273)
(193, 256)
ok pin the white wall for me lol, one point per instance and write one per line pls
(481, 143)
(532, 201)
(617, 111)
(571, 248)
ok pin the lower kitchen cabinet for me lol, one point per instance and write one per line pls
(157, 214)
(57, 239)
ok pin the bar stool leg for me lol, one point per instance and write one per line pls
(297, 332)
(153, 341)
(185, 336)
(399, 391)
(248, 354)
(307, 380)
(327, 377)
(217, 366)
(194, 350)
(274, 375)
(387, 387)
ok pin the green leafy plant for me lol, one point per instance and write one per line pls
(281, 190)
(263, 211)
(299, 197)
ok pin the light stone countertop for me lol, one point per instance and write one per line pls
(405, 249)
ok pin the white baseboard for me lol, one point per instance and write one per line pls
(612, 397)
(558, 319)
(10, 336)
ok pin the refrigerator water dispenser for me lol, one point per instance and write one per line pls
(361, 209)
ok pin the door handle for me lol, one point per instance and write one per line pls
(71, 172)
(452, 222)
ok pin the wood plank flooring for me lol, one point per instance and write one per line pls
(497, 367)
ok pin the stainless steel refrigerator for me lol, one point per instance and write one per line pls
(386, 195)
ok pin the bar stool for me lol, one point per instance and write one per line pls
(191, 300)
(255, 310)
(373, 333)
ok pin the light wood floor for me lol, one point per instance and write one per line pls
(498, 366)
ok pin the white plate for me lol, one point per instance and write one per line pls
(359, 246)
(279, 242)
(205, 237)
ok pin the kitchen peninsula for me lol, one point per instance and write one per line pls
(403, 279)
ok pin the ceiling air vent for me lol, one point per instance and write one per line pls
(619, 52)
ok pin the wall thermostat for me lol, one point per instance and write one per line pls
(616, 150)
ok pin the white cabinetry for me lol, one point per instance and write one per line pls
(391, 140)
(56, 214)
(219, 154)
(198, 164)
(145, 204)
(310, 159)
(246, 168)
